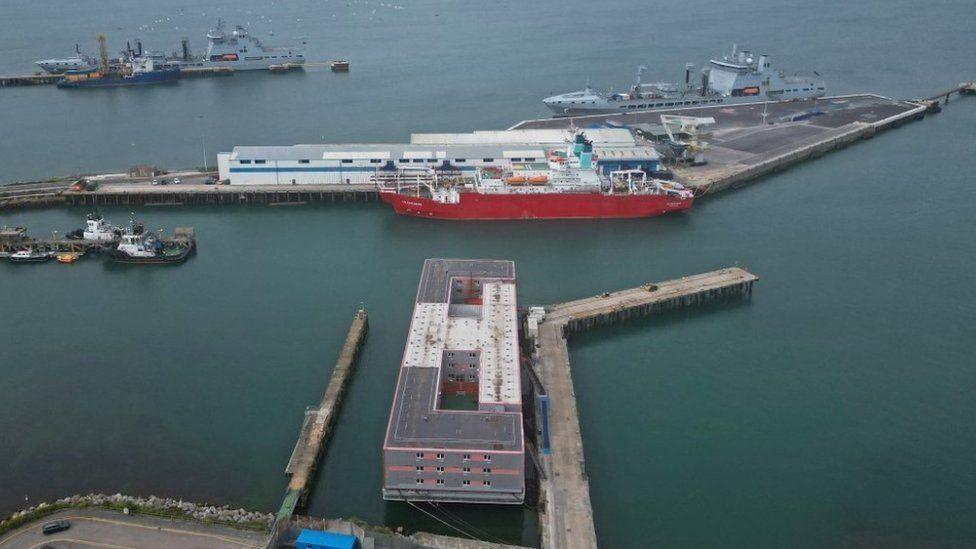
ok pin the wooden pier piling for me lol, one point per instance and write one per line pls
(316, 426)
(565, 511)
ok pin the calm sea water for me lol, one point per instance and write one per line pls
(834, 407)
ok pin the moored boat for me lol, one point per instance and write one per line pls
(68, 257)
(566, 186)
(96, 229)
(139, 246)
(30, 256)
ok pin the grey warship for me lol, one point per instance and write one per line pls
(741, 77)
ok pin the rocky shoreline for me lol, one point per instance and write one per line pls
(151, 505)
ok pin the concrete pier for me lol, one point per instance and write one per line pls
(316, 426)
(565, 511)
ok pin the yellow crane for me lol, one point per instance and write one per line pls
(102, 54)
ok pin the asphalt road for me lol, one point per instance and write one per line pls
(102, 528)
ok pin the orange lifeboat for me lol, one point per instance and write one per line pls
(539, 179)
(515, 180)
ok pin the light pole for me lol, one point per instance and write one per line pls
(203, 140)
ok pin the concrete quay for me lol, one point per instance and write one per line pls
(750, 140)
(200, 194)
(565, 510)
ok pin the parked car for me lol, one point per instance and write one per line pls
(55, 527)
(177, 181)
(155, 182)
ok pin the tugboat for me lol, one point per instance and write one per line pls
(30, 256)
(96, 230)
(139, 246)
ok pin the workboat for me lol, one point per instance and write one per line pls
(96, 230)
(139, 246)
(566, 185)
(135, 73)
(68, 257)
(30, 256)
(741, 77)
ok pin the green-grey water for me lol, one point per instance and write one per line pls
(833, 407)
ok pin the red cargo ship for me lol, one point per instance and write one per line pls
(566, 187)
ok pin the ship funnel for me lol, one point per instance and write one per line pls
(763, 61)
(139, 48)
(688, 68)
(704, 88)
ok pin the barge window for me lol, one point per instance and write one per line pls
(460, 160)
(417, 160)
(530, 159)
(346, 161)
(516, 160)
(259, 161)
(431, 160)
(245, 161)
(487, 159)
(303, 161)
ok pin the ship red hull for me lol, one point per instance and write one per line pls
(537, 206)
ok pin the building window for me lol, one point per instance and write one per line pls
(303, 161)
(487, 159)
(440, 456)
(259, 161)
(487, 457)
(465, 469)
(460, 160)
(486, 483)
(420, 455)
(466, 457)
(440, 482)
(486, 471)
(420, 467)
(431, 160)
(420, 481)
(375, 161)
(402, 160)
(245, 161)
(516, 160)
(466, 482)
(346, 161)
(417, 160)
(440, 469)
(530, 159)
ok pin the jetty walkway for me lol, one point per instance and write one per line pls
(565, 510)
(316, 426)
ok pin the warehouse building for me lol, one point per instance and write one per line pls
(357, 164)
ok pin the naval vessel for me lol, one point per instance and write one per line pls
(741, 77)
